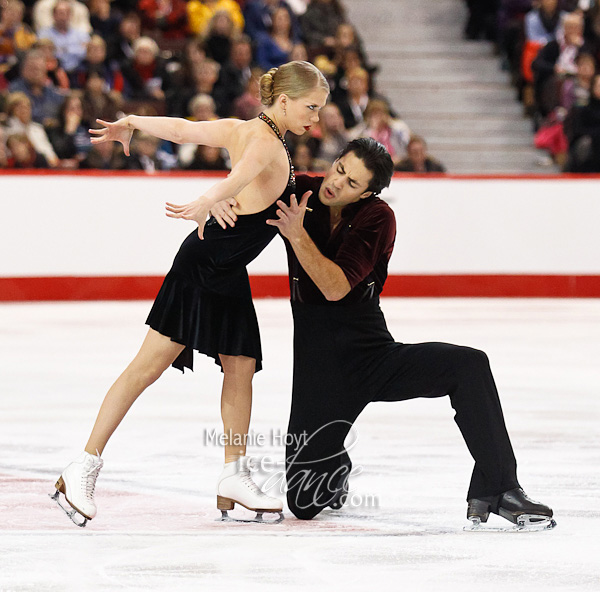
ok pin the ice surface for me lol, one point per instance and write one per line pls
(156, 527)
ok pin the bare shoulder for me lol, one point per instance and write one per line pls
(256, 135)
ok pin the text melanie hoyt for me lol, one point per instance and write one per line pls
(215, 437)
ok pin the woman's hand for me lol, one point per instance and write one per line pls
(223, 212)
(196, 210)
(118, 131)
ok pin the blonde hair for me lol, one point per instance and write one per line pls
(146, 43)
(294, 79)
(15, 99)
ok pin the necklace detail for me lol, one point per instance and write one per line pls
(273, 126)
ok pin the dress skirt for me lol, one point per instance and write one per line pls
(205, 301)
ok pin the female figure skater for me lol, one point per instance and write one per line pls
(205, 301)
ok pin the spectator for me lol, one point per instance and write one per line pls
(207, 158)
(576, 90)
(22, 154)
(104, 20)
(95, 62)
(354, 99)
(542, 24)
(417, 160)
(55, 72)
(346, 38)
(234, 75)
(70, 43)
(218, 42)
(15, 37)
(205, 75)
(105, 156)
(143, 157)
(584, 134)
(333, 137)
(3, 150)
(194, 53)
(482, 19)
(257, 14)
(274, 49)
(43, 15)
(303, 158)
(18, 111)
(200, 13)
(45, 100)
(120, 48)
(69, 137)
(168, 17)
(97, 102)
(249, 105)
(299, 53)
(394, 134)
(511, 16)
(555, 62)
(320, 22)
(145, 75)
(202, 108)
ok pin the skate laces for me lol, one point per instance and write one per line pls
(89, 476)
(246, 477)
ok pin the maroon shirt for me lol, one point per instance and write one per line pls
(361, 245)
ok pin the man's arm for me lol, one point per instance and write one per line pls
(327, 275)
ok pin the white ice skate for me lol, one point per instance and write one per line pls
(235, 486)
(77, 484)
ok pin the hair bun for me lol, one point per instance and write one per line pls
(267, 85)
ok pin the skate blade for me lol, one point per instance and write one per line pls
(258, 519)
(525, 523)
(71, 512)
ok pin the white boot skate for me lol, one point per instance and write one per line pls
(77, 484)
(235, 486)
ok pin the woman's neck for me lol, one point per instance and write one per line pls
(277, 118)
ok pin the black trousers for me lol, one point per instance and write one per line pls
(345, 358)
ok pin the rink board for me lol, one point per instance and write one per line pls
(105, 236)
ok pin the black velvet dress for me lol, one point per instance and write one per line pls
(205, 302)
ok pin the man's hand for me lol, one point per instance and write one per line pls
(196, 210)
(291, 219)
(223, 212)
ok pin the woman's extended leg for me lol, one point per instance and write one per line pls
(156, 354)
(236, 403)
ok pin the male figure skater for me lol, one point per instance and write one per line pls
(344, 357)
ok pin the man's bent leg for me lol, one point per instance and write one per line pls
(437, 369)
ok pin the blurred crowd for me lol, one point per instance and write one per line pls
(64, 64)
(552, 50)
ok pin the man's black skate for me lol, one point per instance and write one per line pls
(342, 493)
(515, 506)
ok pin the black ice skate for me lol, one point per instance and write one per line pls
(342, 493)
(515, 506)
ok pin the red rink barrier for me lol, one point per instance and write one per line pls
(276, 286)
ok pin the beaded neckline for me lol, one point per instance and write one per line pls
(273, 126)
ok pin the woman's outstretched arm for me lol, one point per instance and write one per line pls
(174, 129)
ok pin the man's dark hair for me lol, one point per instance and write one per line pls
(375, 158)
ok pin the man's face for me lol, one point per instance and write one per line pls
(549, 5)
(35, 70)
(62, 15)
(241, 54)
(346, 182)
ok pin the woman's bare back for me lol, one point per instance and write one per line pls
(270, 183)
